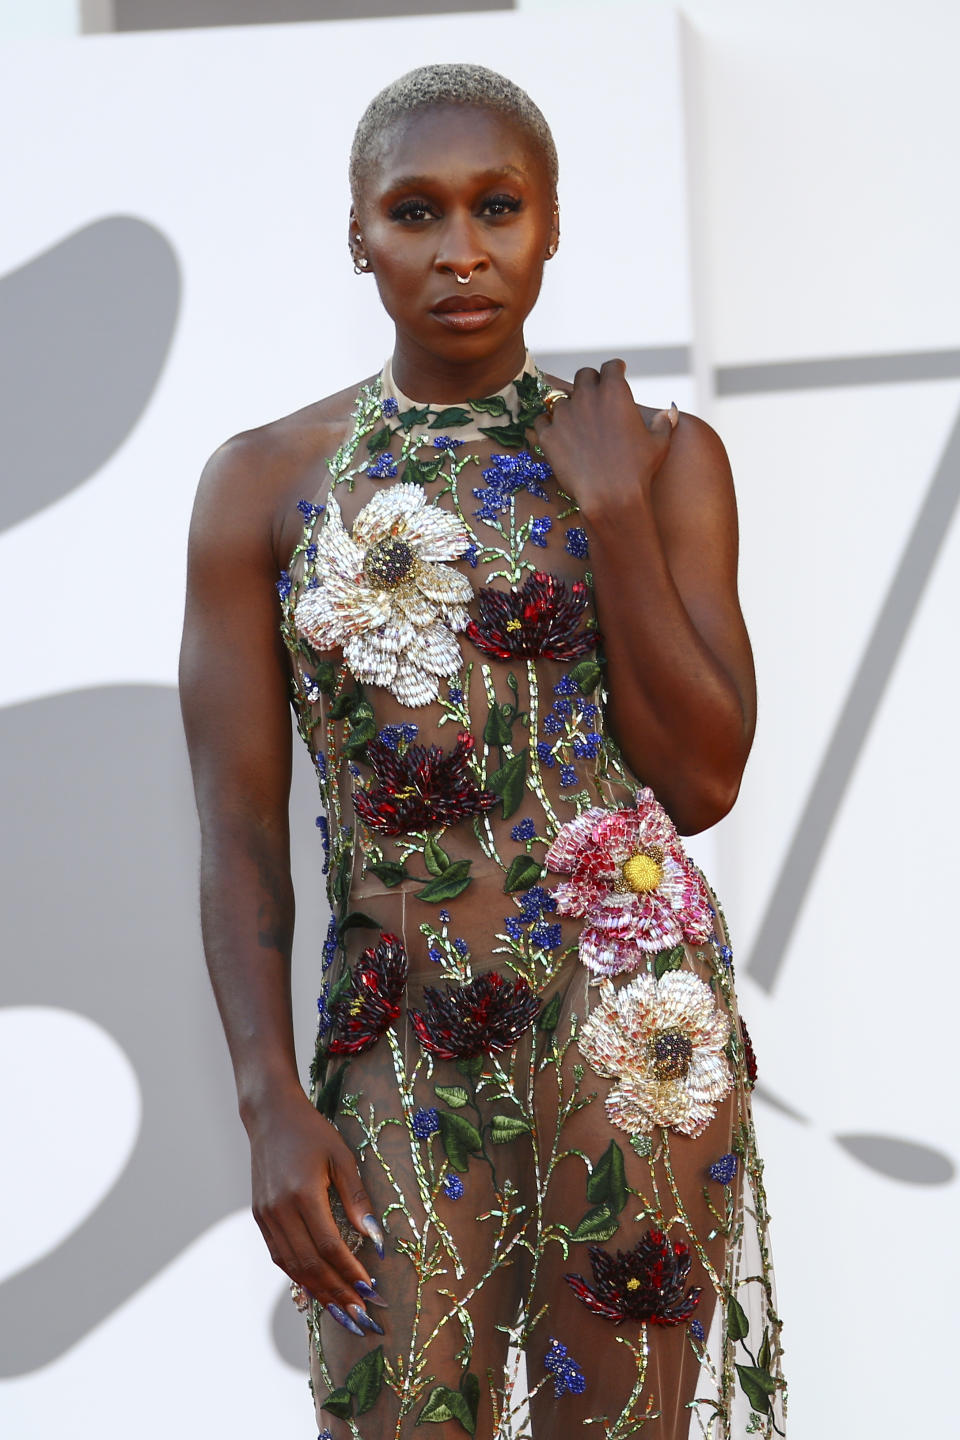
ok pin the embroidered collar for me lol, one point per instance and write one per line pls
(503, 415)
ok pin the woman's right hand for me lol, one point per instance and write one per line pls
(296, 1156)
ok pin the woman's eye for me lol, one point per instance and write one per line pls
(410, 210)
(501, 204)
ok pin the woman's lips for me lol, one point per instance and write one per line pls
(466, 312)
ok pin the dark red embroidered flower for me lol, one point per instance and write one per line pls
(749, 1055)
(540, 618)
(421, 789)
(482, 1018)
(645, 1283)
(372, 1003)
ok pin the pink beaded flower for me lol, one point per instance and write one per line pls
(632, 883)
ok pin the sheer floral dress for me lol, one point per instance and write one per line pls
(528, 1031)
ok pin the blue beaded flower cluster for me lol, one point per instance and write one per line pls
(567, 1375)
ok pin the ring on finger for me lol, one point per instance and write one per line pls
(551, 398)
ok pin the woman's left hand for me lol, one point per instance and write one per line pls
(597, 443)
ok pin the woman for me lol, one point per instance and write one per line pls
(511, 621)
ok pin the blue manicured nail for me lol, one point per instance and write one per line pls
(367, 1321)
(372, 1229)
(343, 1319)
(369, 1294)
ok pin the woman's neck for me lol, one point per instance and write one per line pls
(426, 376)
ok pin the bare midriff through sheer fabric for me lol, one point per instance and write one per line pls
(572, 1197)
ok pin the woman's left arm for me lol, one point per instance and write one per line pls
(659, 509)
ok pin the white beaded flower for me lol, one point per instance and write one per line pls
(662, 1040)
(385, 596)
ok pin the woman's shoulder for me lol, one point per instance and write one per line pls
(251, 482)
(286, 445)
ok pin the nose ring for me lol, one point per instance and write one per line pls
(462, 279)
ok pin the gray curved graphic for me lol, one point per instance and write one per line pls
(101, 914)
(84, 333)
(905, 1160)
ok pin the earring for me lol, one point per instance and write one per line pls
(551, 249)
(361, 264)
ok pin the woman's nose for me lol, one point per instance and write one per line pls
(461, 251)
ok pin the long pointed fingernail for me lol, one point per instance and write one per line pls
(367, 1321)
(369, 1294)
(342, 1318)
(372, 1229)
(674, 414)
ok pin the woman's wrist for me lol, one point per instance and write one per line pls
(270, 1091)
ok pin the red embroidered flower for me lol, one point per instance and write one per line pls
(749, 1054)
(540, 618)
(642, 1284)
(632, 883)
(421, 789)
(482, 1018)
(372, 1003)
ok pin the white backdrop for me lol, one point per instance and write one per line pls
(825, 225)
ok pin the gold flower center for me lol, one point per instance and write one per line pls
(643, 871)
(633, 1284)
(388, 563)
(670, 1053)
(407, 793)
(514, 625)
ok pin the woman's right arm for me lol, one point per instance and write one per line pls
(234, 687)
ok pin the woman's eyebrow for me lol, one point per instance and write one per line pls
(422, 182)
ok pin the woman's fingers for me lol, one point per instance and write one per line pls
(354, 1198)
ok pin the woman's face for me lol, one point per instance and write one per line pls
(457, 190)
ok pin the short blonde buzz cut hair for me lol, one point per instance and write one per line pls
(459, 84)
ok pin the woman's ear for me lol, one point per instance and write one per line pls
(554, 239)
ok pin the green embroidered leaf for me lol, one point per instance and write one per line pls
(341, 882)
(390, 873)
(421, 472)
(449, 885)
(453, 1095)
(339, 988)
(328, 1096)
(738, 1326)
(446, 1404)
(435, 857)
(356, 920)
(379, 440)
(416, 416)
(586, 676)
(597, 1225)
(365, 1380)
(524, 871)
(491, 405)
(764, 1353)
(470, 1390)
(450, 418)
(325, 676)
(359, 735)
(512, 682)
(528, 390)
(504, 1128)
(339, 1403)
(345, 704)
(668, 960)
(607, 1184)
(758, 1385)
(512, 436)
(498, 729)
(548, 1017)
(508, 782)
(460, 1139)
(471, 1067)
